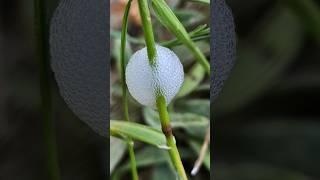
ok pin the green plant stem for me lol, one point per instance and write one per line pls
(123, 61)
(133, 163)
(167, 17)
(147, 29)
(161, 102)
(45, 89)
(124, 88)
(171, 142)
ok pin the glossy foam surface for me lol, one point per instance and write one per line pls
(143, 81)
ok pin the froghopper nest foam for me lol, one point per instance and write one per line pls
(144, 81)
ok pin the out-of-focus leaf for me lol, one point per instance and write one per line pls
(196, 106)
(259, 65)
(254, 171)
(288, 143)
(178, 120)
(189, 17)
(197, 147)
(115, 50)
(201, 1)
(148, 156)
(192, 80)
(185, 55)
(137, 131)
(152, 156)
(202, 32)
(162, 172)
(309, 13)
(117, 149)
(171, 22)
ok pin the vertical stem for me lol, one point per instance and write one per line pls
(171, 142)
(123, 61)
(45, 89)
(124, 88)
(202, 153)
(133, 163)
(161, 102)
(148, 32)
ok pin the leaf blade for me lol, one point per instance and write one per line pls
(138, 132)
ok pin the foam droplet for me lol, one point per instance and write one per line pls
(143, 80)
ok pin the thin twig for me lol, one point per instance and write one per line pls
(202, 153)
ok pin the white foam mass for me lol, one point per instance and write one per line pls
(143, 80)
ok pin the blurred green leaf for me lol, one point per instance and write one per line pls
(117, 149)
(196, 106)
(152, 156)
(261, 62)
(189, 17)
(178, 120)
(309, 13)
(138, 132)
(162, 172)
(201, 1)
(254, 171)
(202, 32)
(185, 55)
(171, 22)
(282, 142)
(115, 50)
(192, 80)
(148, 156)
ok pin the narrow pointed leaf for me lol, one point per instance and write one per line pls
(138, 132)
(192, 80)
(178, 120)
(166, 17)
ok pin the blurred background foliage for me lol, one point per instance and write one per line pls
(266, 118)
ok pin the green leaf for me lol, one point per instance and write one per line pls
(178, 120)
(201, 1)
(200, 33)
(186, 57)
(309, 13)
(138, 132)
(261, 62)
(192, 80)
(171, 22)
(162, 172)
(196, 106)
(152, 156)
(189, 17)
(148, 156)
(117, 149)
(281, 141)
(254, 171)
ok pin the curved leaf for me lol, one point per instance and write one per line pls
(192, 80)
(138, 132)
(178, 120)
(117, 149)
